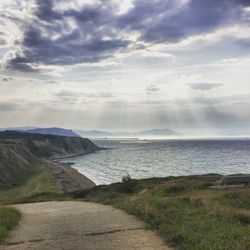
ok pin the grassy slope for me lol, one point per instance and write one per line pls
(17, 164)
(21, 159)
(9, 218)
(187, 213)
(40, 183)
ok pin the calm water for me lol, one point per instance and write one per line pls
(142, 159)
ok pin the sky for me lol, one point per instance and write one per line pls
(126, 65)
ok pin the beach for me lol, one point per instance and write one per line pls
(69, 178)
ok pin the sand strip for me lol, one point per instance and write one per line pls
(69, 178)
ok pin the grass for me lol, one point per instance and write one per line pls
(9, 218)
(17, 164)
(187, 213)
(44, 197)
(44, 182)
(185, 210)
(237, 198)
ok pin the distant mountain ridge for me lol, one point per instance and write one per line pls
(151, 132)
(17, 128)
(95, 133)
(53, 131)
(44, 131)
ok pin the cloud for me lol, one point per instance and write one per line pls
(66, 93)
(161, 21)
(95, 32)
(7, 79)
(205, 86)
(45, 11)
(9, 106)
(104, 95)
(19, 62)
(2, 42)
(152, 88)
(73, 94)
(243, 42)
(51, 82)
(67, 38)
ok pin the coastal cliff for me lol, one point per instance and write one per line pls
(50, 146)
(23, 155)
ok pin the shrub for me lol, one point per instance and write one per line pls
(128, 184)
(176, 189)
(9, 218)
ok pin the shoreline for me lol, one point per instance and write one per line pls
(68, 156)
(69, 178)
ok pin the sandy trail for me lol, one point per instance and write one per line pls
(80, 225)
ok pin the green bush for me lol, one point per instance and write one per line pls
(9, 218)
(128, 184)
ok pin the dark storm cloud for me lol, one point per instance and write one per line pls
(205, 86)
(245, 3)
(45, 11)
(87, 43)
(168, 21)
(20, 64)
(100, 32)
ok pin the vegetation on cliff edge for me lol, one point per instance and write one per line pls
(185, 210)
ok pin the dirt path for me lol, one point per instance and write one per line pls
(80, 225)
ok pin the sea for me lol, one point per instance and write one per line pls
(161, 158)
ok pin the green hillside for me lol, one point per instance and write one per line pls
(185, 210)
(17, 164)
(23, 155)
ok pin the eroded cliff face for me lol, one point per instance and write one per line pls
(23, 154)
(51, 146)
